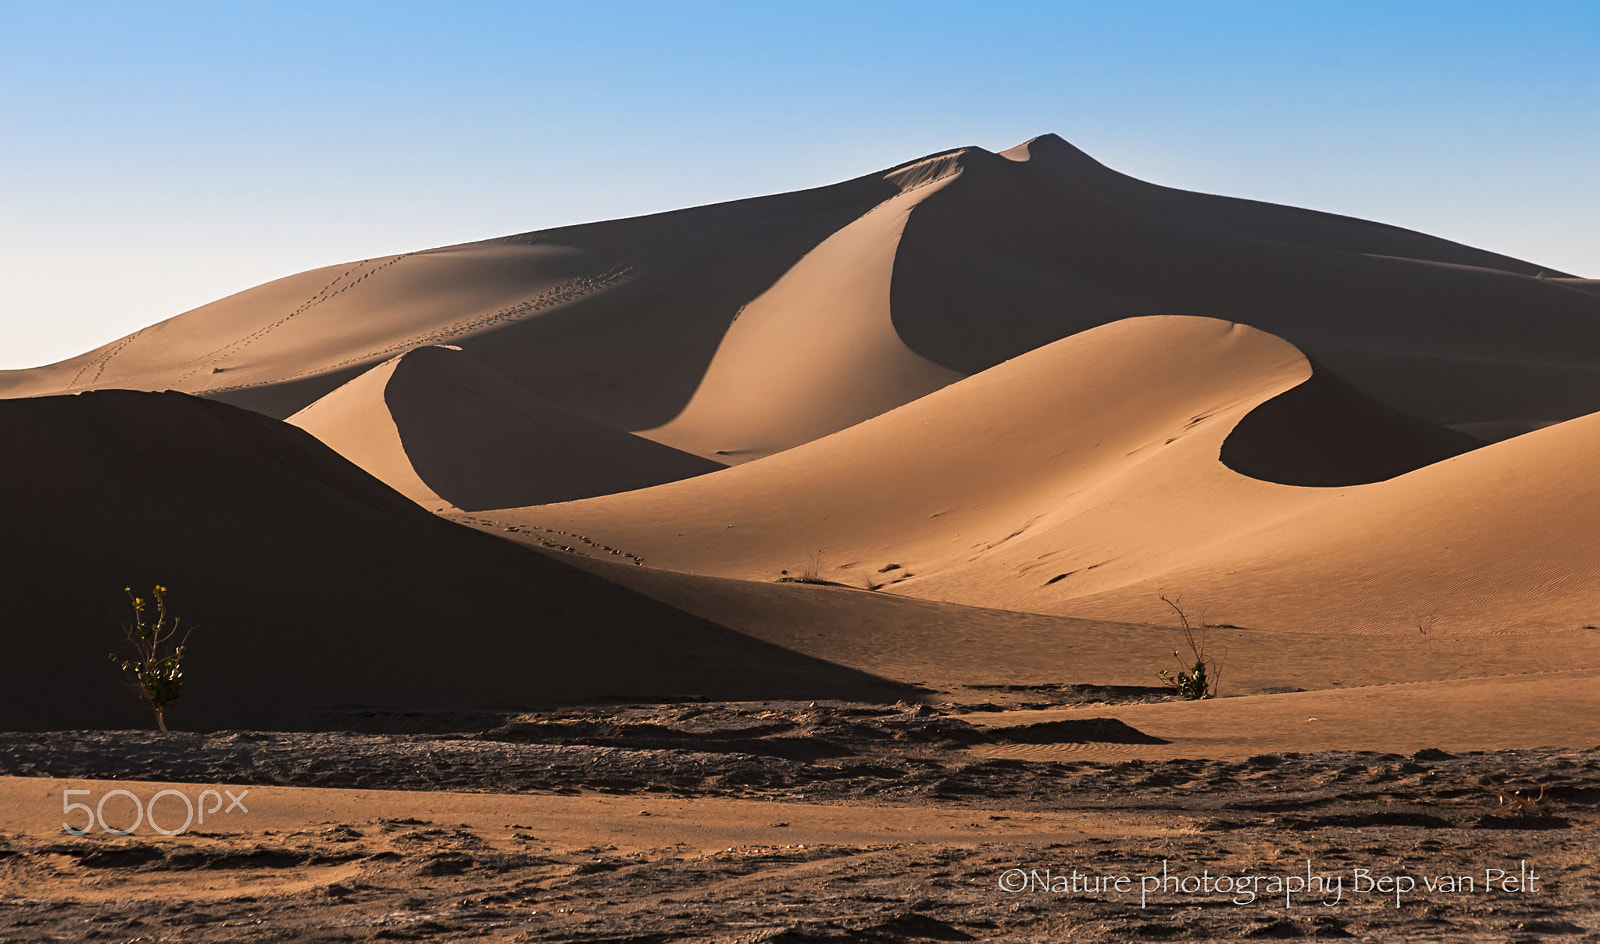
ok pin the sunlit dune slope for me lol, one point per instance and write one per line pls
(737, 330)
(1092, 476)
(1504, 539)
(310, 585)
(1090, 463)
(1042, 241)
(818, 351)
(616, 320)
(442, 428)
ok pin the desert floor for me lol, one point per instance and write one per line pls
(792, 821)
(821, 551)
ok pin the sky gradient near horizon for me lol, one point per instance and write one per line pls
(161, 155)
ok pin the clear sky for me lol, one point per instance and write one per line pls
(156, 156)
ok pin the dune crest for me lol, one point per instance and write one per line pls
(817, 352)
(311, 585)
(988, 461)
(1022, 381)
(350, 420)
(1041, 242)
(1090, 476)
(623, 321)
(447, 431)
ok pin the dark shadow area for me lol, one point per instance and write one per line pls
(1013, 255)
(692, 270)
(480, 441)
(310, 585)
(1327, 433)
(1076, 731)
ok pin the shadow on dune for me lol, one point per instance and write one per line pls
(1020, 252)
(480, 441)
(310, 585)
(1327, 433)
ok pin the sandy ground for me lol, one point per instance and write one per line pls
(787, 822)
(921, 457)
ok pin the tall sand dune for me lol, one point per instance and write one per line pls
(1042, 241)
(993, 382)
(818, 351)
(740, 329)
(443, 429)
(616, 320)
(1092, 462)
(311, 585)
(1503, 539)
(1092, 476)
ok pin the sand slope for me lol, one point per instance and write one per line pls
(1019, 382)
(616, 320)
(1091, 463)
(312, 585)
(1042, 241)
(1503, 539)
(442, 428)
(1537, 709)
(1092, 476)
(986, 256)
(818, 351)
(977, 655)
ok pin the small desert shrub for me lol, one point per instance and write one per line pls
(1198, 679)
(156, 668)
(813, 570)
(812, 573)
(1519, 802)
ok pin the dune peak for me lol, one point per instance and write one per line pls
(1054, 150)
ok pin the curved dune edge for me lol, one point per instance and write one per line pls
(351, 421)
(1084, 479)
(817, 352)
(310, 585)
(1502, 539)
(1325, 433)
(969, 477)
(1001, 254)
(447, 431)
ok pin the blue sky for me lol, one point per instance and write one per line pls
(157, 156)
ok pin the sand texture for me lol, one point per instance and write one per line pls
(788, 569)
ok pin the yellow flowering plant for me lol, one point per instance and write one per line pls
(156, 668)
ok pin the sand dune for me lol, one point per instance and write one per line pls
(818, 351)
(1042, 241)
(615, 320)
(1090, 463)
(443, 429)
(953, 475)
(911, 478)
(637, 323)
(1503, 539)
(312, 585)
(1091, 477)
(1017, 381)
